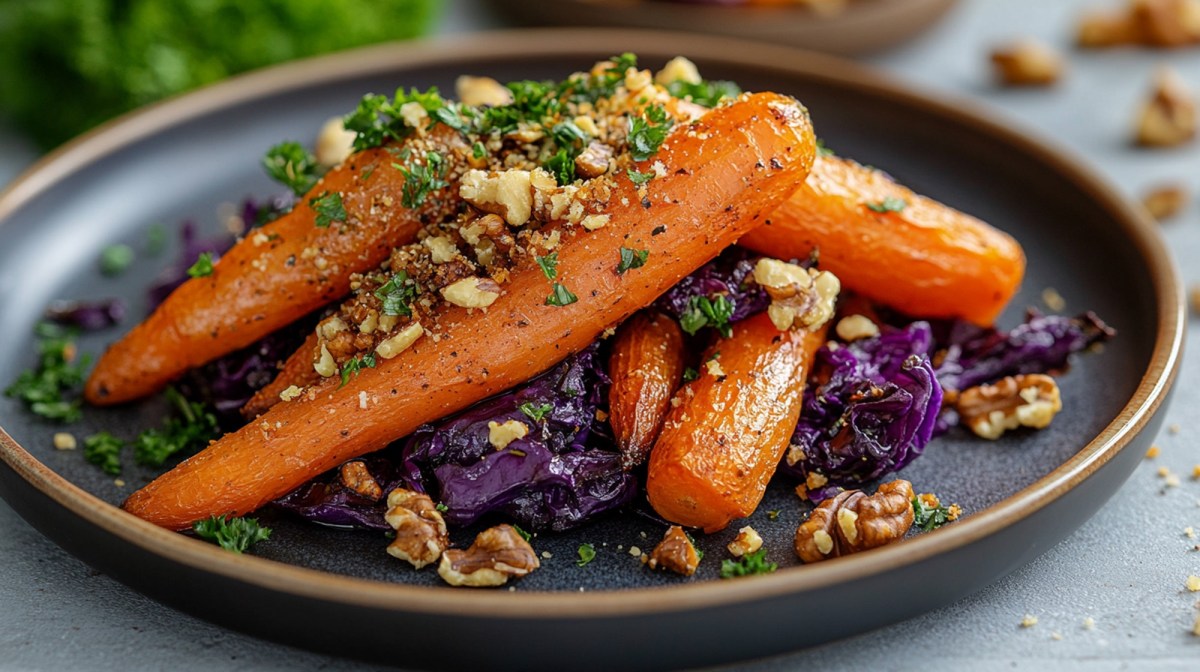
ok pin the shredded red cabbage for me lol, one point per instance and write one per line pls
(728, 275)
(87, 315)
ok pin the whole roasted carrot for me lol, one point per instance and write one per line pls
(893, 245)
(348, 223)
(646, 367)
(723, 172)
(721, 444)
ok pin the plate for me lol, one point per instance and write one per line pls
(335, 591)
(862, 26)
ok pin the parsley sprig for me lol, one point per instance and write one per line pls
(290, 164)
(356, 364)
(560, 296)
(188, 430)
(631, 259)
(707, 93)
(203, 266)
(377, 118)
(104, 450)
(59, 371)
(703, 312)
(587, 553)
(397, 295)
(535, 412)
(751, 563)
(421, 178)
(647, 132)
(328, 207)
(230, 533)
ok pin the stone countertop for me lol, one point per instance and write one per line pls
(1125, 568)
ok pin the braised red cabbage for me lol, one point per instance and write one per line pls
(728, 276)
(87, 315)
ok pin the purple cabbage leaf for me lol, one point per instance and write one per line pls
(87, 315)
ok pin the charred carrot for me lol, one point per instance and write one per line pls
(721, 444)
(348, 223)
(895, 246)
(723, 172)
(646, 367)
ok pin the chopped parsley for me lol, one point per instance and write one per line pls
(548, 264)
(442, 508)
(524, 535)
(156, 239)
(647, 133)
(704, 312)
(822, 150)
(290, 164)
(188, 430)
(41, 388)
(604, 84)
(751, 563)
(535, 412)
(639, 178)
(356, 364)
(421, 179)
(114, 259)
(889, 204)
(560, 296)
(562, 166)
(397, 295)
(377, 118)
(203, 266)
(773, 515)
(457, 116)
(631, 259)
(104, 450)
(706, 93)
(478, 151)
(690, 374)
(328, 207)
(587, 553)
(929, 518)
(231, 533)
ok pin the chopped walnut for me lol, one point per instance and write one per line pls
(678, 69)
(593, 160)
(403, 340)
(497, 554)
(1102, 29)
(334, 143)
(675, 552)
(64, 441)
(472, 292)
(799, 298)
(475, 91)
(1155, 23)
(421, 535)
(1165, 201)
(856, 327)
(1168, 118)
(747, 541)
(852, 521)
(1027, 62)
(500, 434)
(1028, 400)
(508, 194)
(355, 477)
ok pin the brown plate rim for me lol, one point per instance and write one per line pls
(1150, 393)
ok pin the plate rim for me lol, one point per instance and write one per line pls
(110, 137)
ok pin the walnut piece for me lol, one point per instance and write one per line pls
(675, 553)
(1165, 201)
(1168, 118)
(354, 476)
(421, 535)
(747, 541)
(1155, 23)
(476, 91)
(800, 298)
(497, 554)
(855, 327)
(334, 143)
(593, 160)
(508, 194)
(678, 69)
(472, 292)
(1028, 400)
(1027, 63)
(394, 345)
(853, 521)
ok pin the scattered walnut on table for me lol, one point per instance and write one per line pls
(1153, 23)
(497, 554)
(747, 541)
(1168, 118)
(675, 552)
(1165, 201)
(1027, 62)
(1028, 400)
(852, 521)
(421, 535)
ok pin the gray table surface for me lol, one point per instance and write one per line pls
(1125, 568)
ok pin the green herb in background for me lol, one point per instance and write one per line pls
(189, 430)
(706, 93)
(231, 534)
(59, 370)
(114, 259)
(67, 65)
(104, 450)
(203, 266)
(290, 164)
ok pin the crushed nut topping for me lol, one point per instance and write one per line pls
(355, 477)
(675, 552)
(421, 535)
(65, 441)
(856, 327)
(1164, 202)
(1028, 400)
(497, 554)
(852, 521)
(747, 541)
(1168, 118)
(1027, 63)
(334, 143)
(800, 298)
(476, 91)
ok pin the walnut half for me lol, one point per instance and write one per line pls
(1029, 400)
(421, 534)
(497, 554)
(853, 521)
(1168, 118)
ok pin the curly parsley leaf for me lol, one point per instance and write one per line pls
(290, 164)
(587, 553)
(706, 93)
(356, 364)
(705, 312)
(927, 517)
(328, 207)
(889, 204)
(603, 84)
(421, 178)
(188, 430)
(231, 534)
(535, 412)
(631, 259)
(114, 259)
(751, 563)
(58, 371)
(397, 295)
(548, 264)
(203, 266)
(104, 450)
(647, 132)
(560, 296)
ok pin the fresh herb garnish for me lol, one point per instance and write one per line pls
(929, 518)
(114, 259)
(230, 533)
(702, 311)
(203, 266)
(548, 264)
(478, 151)
(690, 374)
(442, 508)
(751, 563)
(605, 83)
(889, 204)
(104, 450)
(290, 164)
(706, 93)
(377, 119)
(587, 553)
(562, 166)
(639, 178)
(58, 371)
(822, 150)
(535, 412)
(772, 515)
(524, 535)
(188, 430)
(156, 239)
(560, 296)
(631, 259)
(397, 295)
(420, 179)
(356, 364)
(328, 207)
(647, 132)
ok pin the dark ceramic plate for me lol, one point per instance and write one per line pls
(860, 26)
(337, 591)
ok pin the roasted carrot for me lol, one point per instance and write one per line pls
(297, 370)
(646, 367)
(894, 246)
(721, 444)
(275, 275)
(724, 172)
